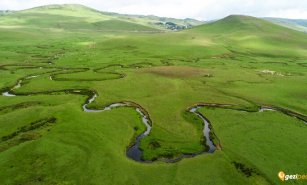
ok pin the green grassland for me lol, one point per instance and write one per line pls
(296, 24)
(71, 16)
(46, 138)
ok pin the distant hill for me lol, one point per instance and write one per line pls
(159, 22)
(253, 35)
(74, 16)
(241, 25)
(5, 12)
(296, 24)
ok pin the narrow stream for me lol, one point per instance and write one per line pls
(262, 109)
(206, 129)
(284, 111)
(34, 76)
(134, 152)
(8, 93)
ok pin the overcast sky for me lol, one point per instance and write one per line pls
(198, 9)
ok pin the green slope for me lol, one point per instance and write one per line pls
(69, 16)
(159, 22)
(74, 16)
(296, 24)
(238, 60)
(237, 24)
(256, 36)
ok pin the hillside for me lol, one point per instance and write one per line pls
(74, 16)
(296, 24)
(160, 22)
(241, 23)
(253, 35)
(89, 97)
(5, 12)
(69, 17)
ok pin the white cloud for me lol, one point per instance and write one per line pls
(200, 9)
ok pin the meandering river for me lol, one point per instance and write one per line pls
(134, 152)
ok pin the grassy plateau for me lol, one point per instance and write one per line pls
(61, 53)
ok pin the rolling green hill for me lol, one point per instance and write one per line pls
(160, 22)
(69, 17)
(255, 36)
(73, 16)
(62, 66)
(296, 24)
